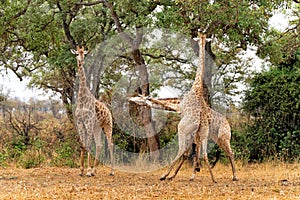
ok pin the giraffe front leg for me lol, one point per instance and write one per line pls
(81, 161)
(96, 162)
(89, 169)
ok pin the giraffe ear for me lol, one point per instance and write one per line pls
(86, 52)
(73, 51)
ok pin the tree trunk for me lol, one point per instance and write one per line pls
(145, 112)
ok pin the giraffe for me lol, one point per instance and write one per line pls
(219, 128)
(195, 118)
(91, 116)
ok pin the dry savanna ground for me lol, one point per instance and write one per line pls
(256, 181)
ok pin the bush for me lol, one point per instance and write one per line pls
(274, 103)
(66, 154)
(3, 157)
(31, 158)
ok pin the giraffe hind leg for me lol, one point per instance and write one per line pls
(184, 157)
(108, 133)
(196, 161)
(98, 143)
(207, 164)
(225, 146)
(179, 155)
(185, 139)
(204, 137)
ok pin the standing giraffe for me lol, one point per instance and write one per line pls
(219, 128)
(195, 119)
(91, 116)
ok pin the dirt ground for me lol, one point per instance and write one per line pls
(256, 181)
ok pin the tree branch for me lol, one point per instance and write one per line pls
(22, 12)
(66, 27)
(114, 16)
(90, 3)
(169, 58)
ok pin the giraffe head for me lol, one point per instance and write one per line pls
(79, 52)
(202, 37)
(139, 99)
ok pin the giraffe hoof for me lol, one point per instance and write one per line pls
(192, 177)
(162, 178)
(111, 174)
(235, 179)
(198, 169)
(89, 175)
(170, 178)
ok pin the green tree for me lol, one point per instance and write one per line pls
(36, 37)
(233, 25)
(274, 102)
(280, 47)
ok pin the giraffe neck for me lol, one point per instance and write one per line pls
(82, 78)
(197, 86)
(170, 104)
(165, 104)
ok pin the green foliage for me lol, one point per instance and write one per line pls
(169, 131)
(64, 157)
(17, 147)
(281, 47)
(26, 156)
(31, 158)
(66, 153)
(239, 141)
(3, 158)
(273, 101)
(47, 30)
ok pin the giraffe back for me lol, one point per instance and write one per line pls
(195, 109)
(103, 114)
(219, 126)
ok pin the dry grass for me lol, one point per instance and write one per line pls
(257, 181)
